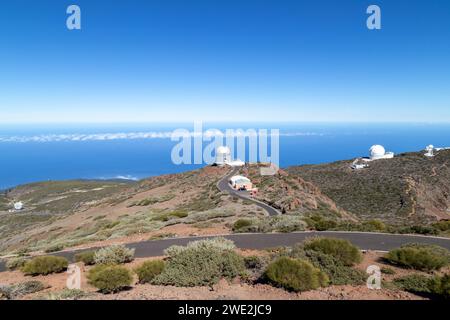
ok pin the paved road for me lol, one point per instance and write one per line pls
(224, 186)
(366, 241)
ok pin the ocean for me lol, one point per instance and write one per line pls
(34, 153)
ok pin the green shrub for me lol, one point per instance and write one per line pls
(341, 249)
(295, 275)
(426, 230)
(116, 254)
(218, 243)
(415, 283)
(149, 270)
(201, 263)
(21, 289)
(419, 257)
(255, 262)
(319, 223)
(241, 223)
(45, 265)
(55, 248)
(66, 294)
(374, 225)
(443, 225)
(110, 278)
(337, 272)
(387, 270)
(324, 224)
(87, 257)
(434, 287)
(440, 286)
(15, 263)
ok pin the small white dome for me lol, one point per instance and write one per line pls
(18, 205)
(223, 150)
(223, 155)
(377, 151)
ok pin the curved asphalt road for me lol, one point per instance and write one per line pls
(364, 240)
(224, 186)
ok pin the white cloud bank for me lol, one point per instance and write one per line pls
(116, 136)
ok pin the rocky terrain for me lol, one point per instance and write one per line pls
(59, 215)
(409, 190)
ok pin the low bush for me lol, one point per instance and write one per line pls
(116, 254)
(149, 270)
(425, 230)
(45, 265)
(374, 225)
(319, 223)
(241, 224)
(337, 272)
(87, 257)
(441, 286)
(54, 248)
(201, 263)
(419, 257)
(283, 223)
(255, 262)
(443, 225)
(295, 275)
(415, 283)
(21, 289)
(341, 249)
(387, 270)
(15, 263)
(431, 286)
(109, 278)
(66, 294)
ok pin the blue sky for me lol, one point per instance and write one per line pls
(220, 60)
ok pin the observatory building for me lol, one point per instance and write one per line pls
(432, 150)
(241, 183)
(18, 206)
(223, 157)
(378, 152)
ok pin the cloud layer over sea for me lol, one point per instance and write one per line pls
(128, 136)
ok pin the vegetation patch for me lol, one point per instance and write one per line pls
(87, 257)
(21, 289)
(116, 254)
(432, 286)
(201, 263)
(148, 270)
(283, 223)
(66, 294)
(15, 263)
(295, 275)
(45, 265)
(341, 249)
(419, 257)
(110, 278)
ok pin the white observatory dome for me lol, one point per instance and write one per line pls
(18, 205)
(377, 152)
(223, 155)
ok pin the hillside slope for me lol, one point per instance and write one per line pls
(410, 188)
(66, 214)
